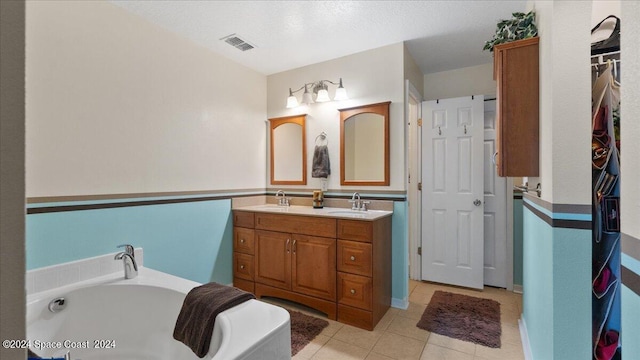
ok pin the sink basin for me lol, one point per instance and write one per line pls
(350, 213)
(272, 207)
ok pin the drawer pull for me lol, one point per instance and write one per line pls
(241, 266)
(353, 258)
(242, 241)
(353, 291)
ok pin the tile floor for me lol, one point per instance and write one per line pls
(397, 337)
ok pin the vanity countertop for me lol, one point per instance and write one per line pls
(333, 212)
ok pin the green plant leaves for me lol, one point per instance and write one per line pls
(521, 26)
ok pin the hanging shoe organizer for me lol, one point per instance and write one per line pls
(605, 150)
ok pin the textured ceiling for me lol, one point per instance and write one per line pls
(440, 35)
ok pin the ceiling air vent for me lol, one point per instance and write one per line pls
(235, 41)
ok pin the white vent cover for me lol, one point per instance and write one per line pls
(235, 41)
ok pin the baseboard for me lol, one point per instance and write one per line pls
(524, 337)
(517, 289)
(402, 304)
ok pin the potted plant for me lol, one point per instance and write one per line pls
(521, 26)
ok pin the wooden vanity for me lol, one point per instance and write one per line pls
(328, 260)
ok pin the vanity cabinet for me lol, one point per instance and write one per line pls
(516, 68)
(337, 266)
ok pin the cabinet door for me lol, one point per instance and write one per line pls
(273, 259)
(314, 266)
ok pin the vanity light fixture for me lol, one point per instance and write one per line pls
(320, 89)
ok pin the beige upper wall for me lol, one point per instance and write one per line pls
(412, 72)
(565, 100)
(473, 80)
(116, 104)
(12, 219)
(370, 77)
(629, 119)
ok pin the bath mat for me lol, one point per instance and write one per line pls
(463, 317)
(304, 328)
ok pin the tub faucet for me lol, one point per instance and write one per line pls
(282, 201)
(128, 260)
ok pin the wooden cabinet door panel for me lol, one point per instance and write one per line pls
(273, 259)
(295, 224)
(243, 219)
(314, 266)
(243, 266)
(354, 290)
(355, 230)
(243, 240)
(354, 257)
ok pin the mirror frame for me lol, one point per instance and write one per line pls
(345, 114)
(273, 124)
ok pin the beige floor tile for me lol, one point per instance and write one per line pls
(376, 356)
(508, 351)
(510, 334)
(451, 343)
(435, 352)
(399, 347)
(414, 311)
(358, 337)
(509, 317)
(407, 327)
(338, 350)
(332, 329)
(386, 319)
(412, 285)
(312, 347)
(422, 298)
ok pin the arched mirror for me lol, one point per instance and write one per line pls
(288, 151)
(364, 145)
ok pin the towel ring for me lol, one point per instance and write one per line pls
(322, 138)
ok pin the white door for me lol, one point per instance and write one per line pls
(452, 191)
(495, 207)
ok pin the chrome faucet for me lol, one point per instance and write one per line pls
(358, 203)
(283, 201)
(128, 258)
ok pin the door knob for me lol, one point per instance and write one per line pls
(353, 258)
(477, 202)
(353, 291)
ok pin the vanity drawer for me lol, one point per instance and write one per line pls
(243, 240)
(243, 266)
(354, 257)
(354, 290)
(243, 219)
(355, 230)
(305, 225)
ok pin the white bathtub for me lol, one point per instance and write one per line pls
(134, 320)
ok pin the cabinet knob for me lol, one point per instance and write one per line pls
(241, 266)
(242, 241)
(353, 258)
(353, 291)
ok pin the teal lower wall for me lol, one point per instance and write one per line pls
(517, 241)
(537, 299)
(630, 314)
(557, 289)
(400, 252)
(192, 240)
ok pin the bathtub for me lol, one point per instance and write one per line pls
(112, 318)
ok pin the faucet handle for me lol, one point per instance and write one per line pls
(128, 249)
(363, 204)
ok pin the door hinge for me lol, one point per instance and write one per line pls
(419, 186)
(419, 122)
(419, 250)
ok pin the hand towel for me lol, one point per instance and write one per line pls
(321, 166)
(202, 304)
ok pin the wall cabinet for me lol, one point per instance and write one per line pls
(516, 69)
(337, 266)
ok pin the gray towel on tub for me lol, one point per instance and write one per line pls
(202, 304)
(321, 167)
